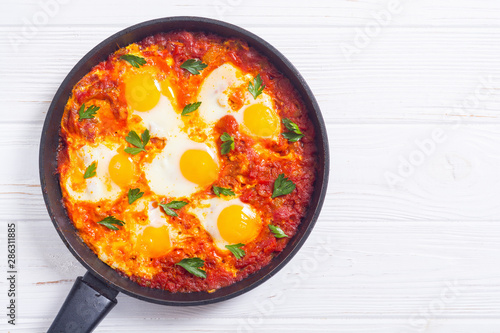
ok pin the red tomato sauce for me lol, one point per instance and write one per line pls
(244, 162)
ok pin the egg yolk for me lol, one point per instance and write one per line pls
(168, 91)
(141, 92)
(261, 120)
(154, 242)
(237, 225)
(121, 170)
(198, 167)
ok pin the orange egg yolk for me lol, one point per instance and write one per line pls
(198, 167)
(237, 225)
(141, 91)
(261, 120)
(121, 170)
(154, 242)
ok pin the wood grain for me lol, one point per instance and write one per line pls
(419, 254)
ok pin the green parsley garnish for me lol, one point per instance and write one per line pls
(190, 108)
(295, 134)
(192, 265)
(228, 143)
(110, 221)
(193, 66)
(134, 194)
(133, 60)
(91, 170)
(236, 250)
(87, 114)
(220, 190)
(140, 143)
(168, 208)
(282, 186)
(256, 87)
(278, 233)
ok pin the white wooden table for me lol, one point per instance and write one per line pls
(409, 237)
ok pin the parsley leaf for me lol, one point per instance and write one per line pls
(295, 134)
(228, 143)
(236, 250)
(193, 66)
(133, 60)
(192, 265)
(220, 190)
(190, 108)
(292, 137)
(90, 171)
(110, 221)
(168, 208)
(87, 114)
(133, 151)
(134, 194)
(256, 87)
(278, 233)
(134, 139)
(282, 186)
(140, 143)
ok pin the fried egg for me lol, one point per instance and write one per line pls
(257, 117)
(158, 237)
(227, 221)
(114, 171)
(183, 167)
(117, 210)
(153, 102)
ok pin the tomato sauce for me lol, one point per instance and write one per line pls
(104, 87)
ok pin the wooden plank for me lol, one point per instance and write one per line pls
(404, 75)
(409, 254)
(346, 271)
(378, 173)
(311, 14)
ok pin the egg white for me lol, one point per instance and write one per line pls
(162, 120)
(156, 219)
(163, 173)
(208, 211)
(99, 187)
(215, 103)
(214, 95)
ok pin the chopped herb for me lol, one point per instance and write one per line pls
(110, 221)
(295, 134)
(190, 108)
(278, 233)
(236, 250)
(256, 87)
(87, 114)
(91, 170)
(134, 194)
(193, 66)
(228, 143)
(282, 186)
(168, 208)
(192, 265)
(134, 60)
(139, 143)
(220, 190)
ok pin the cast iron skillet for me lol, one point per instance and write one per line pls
(93, 296)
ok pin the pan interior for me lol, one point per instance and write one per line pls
(50, 141)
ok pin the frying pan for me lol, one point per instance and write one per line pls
(94, 294)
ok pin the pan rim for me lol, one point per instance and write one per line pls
(161, 296)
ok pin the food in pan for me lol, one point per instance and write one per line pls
(186, 161)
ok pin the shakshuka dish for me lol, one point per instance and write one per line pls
(186, 161)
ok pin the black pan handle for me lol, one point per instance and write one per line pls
(88, 302)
